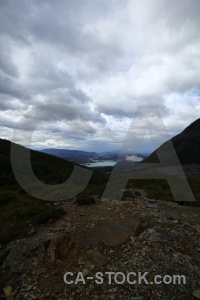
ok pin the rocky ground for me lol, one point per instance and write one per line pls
(137, 235)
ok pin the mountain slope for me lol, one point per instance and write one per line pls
(186, 144)
(187, 147)
(19, 211)
(48, 168)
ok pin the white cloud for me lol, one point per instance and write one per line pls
(134, 158)
(105, 58)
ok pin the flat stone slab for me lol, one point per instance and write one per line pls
(110, 232)
(159, 237)
(151, 205)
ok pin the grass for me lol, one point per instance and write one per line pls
(19, 210)
(159, 189)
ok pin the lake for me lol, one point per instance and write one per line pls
(102, 163)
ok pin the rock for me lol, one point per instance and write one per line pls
(151, 230)
(98, 258)
(159, 237)
(155, 255)
(176, 259)
(134, 203)
(85, 272)
(7, 290)
(151, 205)
(35, 264)
(61, 247)
(151, 200)
(92, 267)
(46, 257)
(29, 288)
(19, 253)
(30, 231)
(116, 203)
(56, 229)
(172, 218)
(110, 232)
(121, 215)
(40, 271)
(144, 224)
(197, 227)
(196, 294)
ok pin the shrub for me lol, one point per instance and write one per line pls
(84, 200)
(137, 193)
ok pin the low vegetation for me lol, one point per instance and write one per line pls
(20, 212)
(85, 200)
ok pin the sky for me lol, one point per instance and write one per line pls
(74, 73)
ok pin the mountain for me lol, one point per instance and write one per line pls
(72, 155)
(187, 148)
(19, 211)
(186, 144)
(84, 157)
(116, 152)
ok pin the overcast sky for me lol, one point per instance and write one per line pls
(90, 64)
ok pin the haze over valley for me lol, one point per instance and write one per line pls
(94, 159)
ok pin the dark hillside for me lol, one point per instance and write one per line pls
(187, 147)
(19, 211)
(186, 144)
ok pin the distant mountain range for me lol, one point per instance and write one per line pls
(84, 157)
(73, 155)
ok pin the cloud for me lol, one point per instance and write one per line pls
(6, 64)
(102, 58)
(134, 158)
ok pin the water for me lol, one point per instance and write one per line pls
(102, 163)
(111, 162)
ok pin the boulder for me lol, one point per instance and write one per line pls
(110, 232)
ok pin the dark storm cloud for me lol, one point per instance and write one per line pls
(38, 30)
(10, 87)
(6, 64)
(59, 25)
(103, 58)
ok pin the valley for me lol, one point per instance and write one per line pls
(145, 231)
